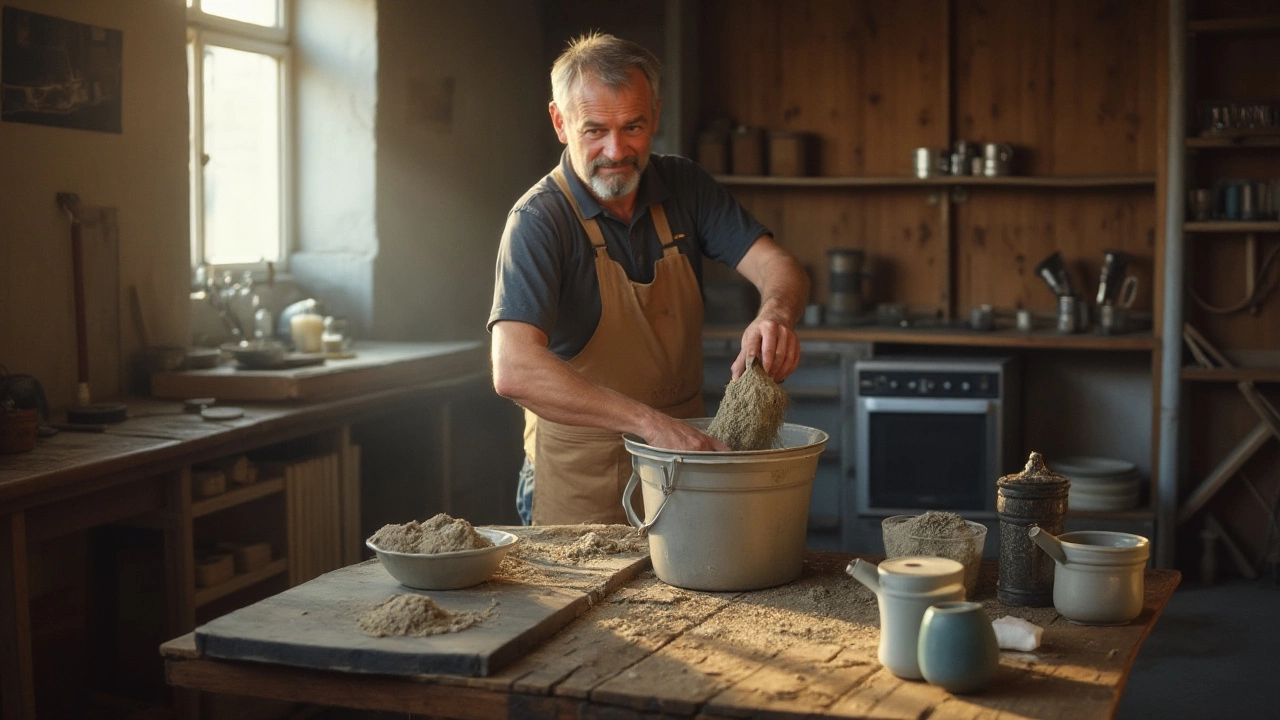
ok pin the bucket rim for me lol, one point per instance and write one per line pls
(636, 443)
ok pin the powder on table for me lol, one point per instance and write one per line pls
(439, 534)
(416, 616)
(751, 412)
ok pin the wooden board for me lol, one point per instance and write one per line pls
(314, 625)
(376, 366)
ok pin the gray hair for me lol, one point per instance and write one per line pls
(604, 58)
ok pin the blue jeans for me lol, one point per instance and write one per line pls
(524, 493)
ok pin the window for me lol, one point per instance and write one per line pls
(238, 86)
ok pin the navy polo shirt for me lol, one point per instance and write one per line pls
(546, 273)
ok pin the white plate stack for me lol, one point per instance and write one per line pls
(1099, 483)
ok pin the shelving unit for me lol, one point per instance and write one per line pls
(240, 581)
(1225, 58)
(943, 181)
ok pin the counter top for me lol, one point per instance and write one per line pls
(961, 336)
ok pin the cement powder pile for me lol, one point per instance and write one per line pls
(751, 412)
(936, 534)
(576, 544)
(416, 616)
(437, 535)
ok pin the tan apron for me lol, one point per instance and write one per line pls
(648, 346)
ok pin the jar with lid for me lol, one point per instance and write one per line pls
(1037, 496)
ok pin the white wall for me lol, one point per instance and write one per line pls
(448, 172)
(142, 172)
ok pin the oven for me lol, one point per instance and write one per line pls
(935, 433)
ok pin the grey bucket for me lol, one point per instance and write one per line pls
(726, 521)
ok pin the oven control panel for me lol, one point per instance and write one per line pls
(909, 383)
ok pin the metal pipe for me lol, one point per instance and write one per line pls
(1171, 321)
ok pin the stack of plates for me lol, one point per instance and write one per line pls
(1099, 483)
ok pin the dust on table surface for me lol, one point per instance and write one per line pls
(439, 534)
(417, 616)
(558, 555)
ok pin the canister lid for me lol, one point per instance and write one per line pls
(918, 574)
(1035, 474)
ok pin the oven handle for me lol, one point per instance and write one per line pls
(944, 406)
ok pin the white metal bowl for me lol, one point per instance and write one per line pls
(448, 570)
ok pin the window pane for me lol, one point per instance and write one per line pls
(258, 12)
(242, 142)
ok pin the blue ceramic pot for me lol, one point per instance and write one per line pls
(957, 647)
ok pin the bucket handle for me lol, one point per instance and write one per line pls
(668, 487)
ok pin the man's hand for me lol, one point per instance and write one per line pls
(671, 434)
(783, 288)
(772, 340)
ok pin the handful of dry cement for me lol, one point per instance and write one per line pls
(751, 412)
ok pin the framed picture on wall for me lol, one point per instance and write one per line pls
(59, 72)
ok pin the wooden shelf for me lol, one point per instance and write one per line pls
(1234, 26)
(1268, 137)
(204, 596)
(1139, 341)
(231, 498)
(1087, 182)
(1254, 374)
(1237, 226)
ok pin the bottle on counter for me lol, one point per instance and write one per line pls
(1037, 496)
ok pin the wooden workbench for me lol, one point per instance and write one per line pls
(139, 472)
(807, 649)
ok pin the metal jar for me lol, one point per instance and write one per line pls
(1037, 496)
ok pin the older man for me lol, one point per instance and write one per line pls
(597, 310)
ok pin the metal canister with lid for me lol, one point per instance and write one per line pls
(1037, 496)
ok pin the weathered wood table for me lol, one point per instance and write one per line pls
(807, 649)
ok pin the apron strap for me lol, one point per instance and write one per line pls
(664, 230)
(589, 224)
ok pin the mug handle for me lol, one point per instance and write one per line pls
(1128, 292)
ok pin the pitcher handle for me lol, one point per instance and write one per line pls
(668, 487)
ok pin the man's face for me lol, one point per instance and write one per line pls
(609, 134)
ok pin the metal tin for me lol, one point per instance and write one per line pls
(1036, 496)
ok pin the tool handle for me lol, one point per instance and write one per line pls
(77, 269)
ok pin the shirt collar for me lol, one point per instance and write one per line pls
(652, 189)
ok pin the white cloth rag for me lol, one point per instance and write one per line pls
(1017, 634)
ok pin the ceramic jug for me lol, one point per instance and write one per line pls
(905, 587)
(1097, 575)
(957, 647)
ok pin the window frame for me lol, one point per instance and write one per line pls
(203, 30)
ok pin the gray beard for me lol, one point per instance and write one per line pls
(614, 187)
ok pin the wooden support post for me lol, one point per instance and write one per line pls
(180, 576)
(1228, 467)
(17, 678)
(1245, 567)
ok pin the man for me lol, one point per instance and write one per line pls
(597, 311)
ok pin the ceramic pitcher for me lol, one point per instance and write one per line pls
(1098, 575)
(905, 587)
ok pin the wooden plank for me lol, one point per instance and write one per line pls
(1081, 182)
(314, 624)
(353, 539)
(232, 498)
(1226, 468)
(94, 509)
(179, 554)
(961, 336)
(240, 581)
(377, 366)
(17, 675)
(609, 639)
(1246, 568)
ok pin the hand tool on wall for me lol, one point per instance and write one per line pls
(86, 411)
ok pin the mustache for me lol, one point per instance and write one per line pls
(601, 162)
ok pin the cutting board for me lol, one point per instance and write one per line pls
(314, 625)
(376, 366)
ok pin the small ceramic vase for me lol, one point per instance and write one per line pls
(957, 647)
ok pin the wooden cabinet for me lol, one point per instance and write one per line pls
(1230, 246)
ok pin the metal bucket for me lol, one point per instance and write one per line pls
(726, 521)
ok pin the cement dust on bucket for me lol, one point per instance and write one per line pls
(751, 412)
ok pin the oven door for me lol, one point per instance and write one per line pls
(917, 454)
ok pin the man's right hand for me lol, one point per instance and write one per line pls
(671, 434)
